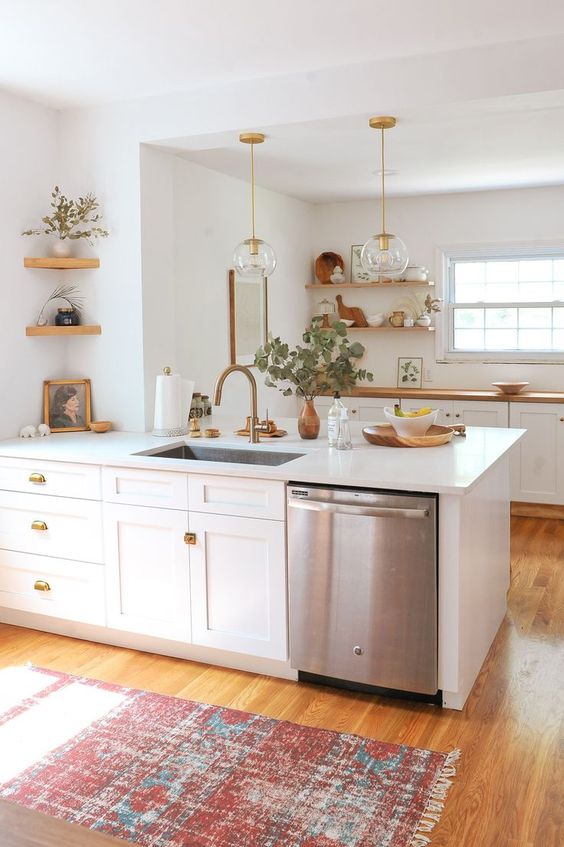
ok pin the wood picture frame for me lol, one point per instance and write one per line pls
(67, 404)
(248, 316)
(410, 372)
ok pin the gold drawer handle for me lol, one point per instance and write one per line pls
(40, 525)
(189, 537)
(37, 478)
(41, 585)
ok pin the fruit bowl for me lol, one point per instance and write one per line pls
(411, 426)
(101, 426)
(510, 387)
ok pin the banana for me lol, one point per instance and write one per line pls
(418, 413)
(398, 412)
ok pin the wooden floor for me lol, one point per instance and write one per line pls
(509, 791)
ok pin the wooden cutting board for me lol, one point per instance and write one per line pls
(384, 435)
(350, 313)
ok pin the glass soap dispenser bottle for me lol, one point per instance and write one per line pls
(333, 419)
(344, 440)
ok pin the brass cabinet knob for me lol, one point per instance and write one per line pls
(447, 414)
(37, 478)
(189, 537)
(40, 525)
(561, 420)
(41, 585)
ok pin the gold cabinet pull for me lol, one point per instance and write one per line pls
(41, 585)
(37, 478)
(189, 537)
(40, 525)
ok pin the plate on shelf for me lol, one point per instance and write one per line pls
(510, 387)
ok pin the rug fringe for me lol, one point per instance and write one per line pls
(435, 804)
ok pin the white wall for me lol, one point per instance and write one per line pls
(425, 223)
(192, 219)
(27, 175)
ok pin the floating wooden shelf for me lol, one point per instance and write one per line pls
(71, 263)
(63, 330)
(396, 328)
(398, 284)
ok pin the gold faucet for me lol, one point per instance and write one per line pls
(255, 427)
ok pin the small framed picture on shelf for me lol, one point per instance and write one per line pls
(410, 370)
(358, 274)
(66, 404)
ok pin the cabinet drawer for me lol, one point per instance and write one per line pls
(136, 487)
(62, 527)
(65, 588)
(239, 496)
(62, 479)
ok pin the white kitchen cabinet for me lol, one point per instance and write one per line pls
(537, 466)
(147, 570)
(468, 412)
(61, 479)
(238, 584)
(243, 497)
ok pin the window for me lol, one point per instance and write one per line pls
(504, 305)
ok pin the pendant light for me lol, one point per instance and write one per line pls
(384, 254)
(253, 255)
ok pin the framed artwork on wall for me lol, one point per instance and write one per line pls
(410, 371)
(358, 274)
(248, 316)
(67, 404)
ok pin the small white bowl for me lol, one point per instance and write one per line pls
(344, 321)
(375, 320)
(411, 426)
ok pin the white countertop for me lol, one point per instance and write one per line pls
(452, 468)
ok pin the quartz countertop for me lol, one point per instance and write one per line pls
(453, 468)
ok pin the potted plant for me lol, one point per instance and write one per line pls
(71, 220)
(327, 361)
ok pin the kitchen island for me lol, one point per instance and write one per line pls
(124, 488)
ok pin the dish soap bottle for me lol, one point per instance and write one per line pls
(333, 419)
(344, 441)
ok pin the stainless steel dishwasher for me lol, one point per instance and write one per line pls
(363, 587)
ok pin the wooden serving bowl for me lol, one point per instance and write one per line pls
(510, 387)
(384, 435)
(101, 426)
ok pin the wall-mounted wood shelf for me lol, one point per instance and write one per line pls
(398, 284)
(71, 263)
(63, 330)
(395, 328)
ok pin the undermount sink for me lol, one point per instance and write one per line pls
(224, 454)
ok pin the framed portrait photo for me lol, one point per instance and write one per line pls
(66, 404)
(410, 372)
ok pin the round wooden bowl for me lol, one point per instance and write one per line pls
(101, 426)
(325, 264)
(384, 435)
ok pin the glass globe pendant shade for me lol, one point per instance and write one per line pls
(254, 256)
(384, 255)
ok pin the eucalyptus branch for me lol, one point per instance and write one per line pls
(68, 215)
(70, 294)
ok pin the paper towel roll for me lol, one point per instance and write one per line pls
(170, 414)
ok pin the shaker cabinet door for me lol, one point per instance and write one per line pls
(238, 585)
(537, 462)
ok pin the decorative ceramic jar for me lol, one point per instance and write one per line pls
(61, 248)
(423, 320)
(396, 318)
(308, 421)
(67, 317)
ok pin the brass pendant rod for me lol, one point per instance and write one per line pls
(382, 167)
(253, 188)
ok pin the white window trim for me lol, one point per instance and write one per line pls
(444, 254)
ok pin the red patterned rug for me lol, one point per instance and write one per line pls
(165, 772)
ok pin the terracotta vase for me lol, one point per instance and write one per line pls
(308, 421)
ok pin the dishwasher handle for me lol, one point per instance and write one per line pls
(367, 511)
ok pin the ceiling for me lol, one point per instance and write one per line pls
(65, 54)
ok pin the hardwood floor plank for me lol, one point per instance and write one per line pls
(509, 790)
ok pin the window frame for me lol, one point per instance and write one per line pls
(446, 256)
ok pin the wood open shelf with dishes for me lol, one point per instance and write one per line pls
(54, 263)
(63, 330)
(399, 283)
(395, 328)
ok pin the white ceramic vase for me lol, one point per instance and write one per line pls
(423, 320)
(61, 248)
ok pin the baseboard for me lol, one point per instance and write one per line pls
(537, 510)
